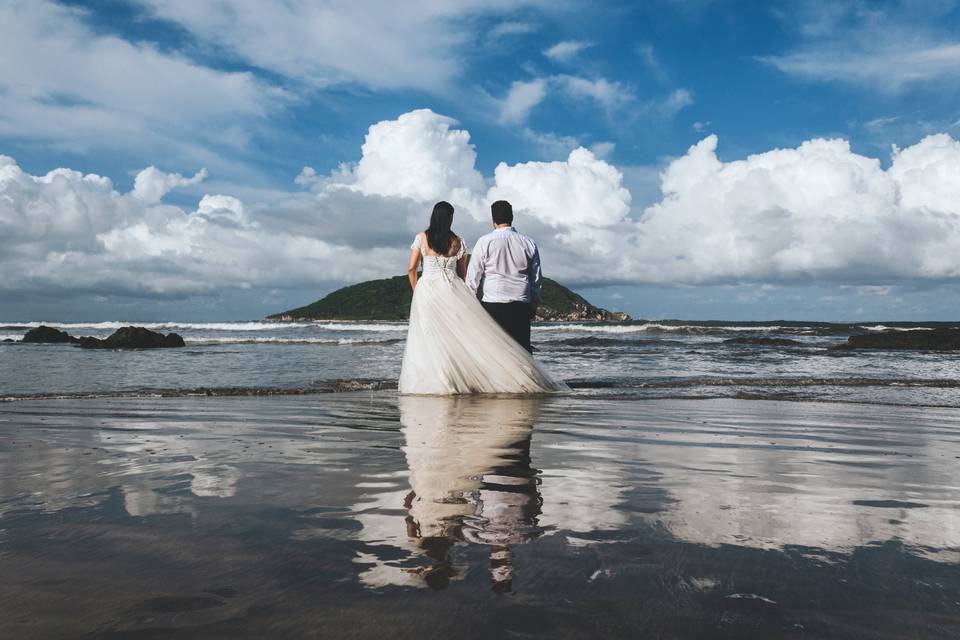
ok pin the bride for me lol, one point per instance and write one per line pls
(453, 345)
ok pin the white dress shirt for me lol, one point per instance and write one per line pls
(508, 264)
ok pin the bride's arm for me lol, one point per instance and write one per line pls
(412, 265)
(463, 262)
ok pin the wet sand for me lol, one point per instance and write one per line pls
(366, 515)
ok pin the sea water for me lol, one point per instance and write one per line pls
(640, 359)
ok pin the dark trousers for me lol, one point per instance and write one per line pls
(514, 318)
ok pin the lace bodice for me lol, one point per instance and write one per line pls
(443, 265)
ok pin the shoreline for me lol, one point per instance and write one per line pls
(388, 389)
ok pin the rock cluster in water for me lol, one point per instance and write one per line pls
(48, 335)
(582, 311)
(123, 338)
(922, 340)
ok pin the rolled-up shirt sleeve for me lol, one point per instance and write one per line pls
(476, 268)
(535, 276)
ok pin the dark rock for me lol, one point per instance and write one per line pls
(765, 342)
(581, 312)
(45, 334)
(9, 340)
(133, 338)
(924, 340)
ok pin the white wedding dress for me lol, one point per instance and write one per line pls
(455, 347)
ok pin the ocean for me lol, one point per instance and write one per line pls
(667, 359)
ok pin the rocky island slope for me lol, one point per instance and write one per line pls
(389, 299)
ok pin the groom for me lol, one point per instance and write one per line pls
(507, 263)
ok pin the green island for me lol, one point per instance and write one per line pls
(389, 299)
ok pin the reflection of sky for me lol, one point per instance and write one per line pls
(819, 476)
(834, 477)
(339, 468)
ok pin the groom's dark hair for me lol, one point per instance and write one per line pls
(502, 212)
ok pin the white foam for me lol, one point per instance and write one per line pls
(377, 327)
(880, 327)
(651, 326)
(211, 340)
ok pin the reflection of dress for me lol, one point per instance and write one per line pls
(455, 347)
(470, 472)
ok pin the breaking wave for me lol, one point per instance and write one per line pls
(652, 327)
(883, 327)
(206, 341)
(600, 341)
(714, 328)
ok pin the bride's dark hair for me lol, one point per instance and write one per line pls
(439, 235)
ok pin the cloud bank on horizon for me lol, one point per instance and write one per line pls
(817, 212)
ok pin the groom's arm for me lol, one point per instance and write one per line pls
(476, 269)
(535, 277)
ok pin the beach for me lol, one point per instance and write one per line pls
(365, 514)
(682, 276)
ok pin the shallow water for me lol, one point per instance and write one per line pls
(368, 515)
(642, 359)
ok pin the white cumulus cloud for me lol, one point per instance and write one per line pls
(815, 213)
(419, 156)
(928, 174)
(819, 211)
(224, 208)
(71, 233)
(151, 184)
(581, 190)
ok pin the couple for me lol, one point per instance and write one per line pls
(455, 345)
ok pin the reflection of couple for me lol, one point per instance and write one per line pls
(470, 480)
(455, 345)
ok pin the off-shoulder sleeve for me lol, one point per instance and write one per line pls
(463, 249)
(417, 243)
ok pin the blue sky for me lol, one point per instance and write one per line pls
(253, 94)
